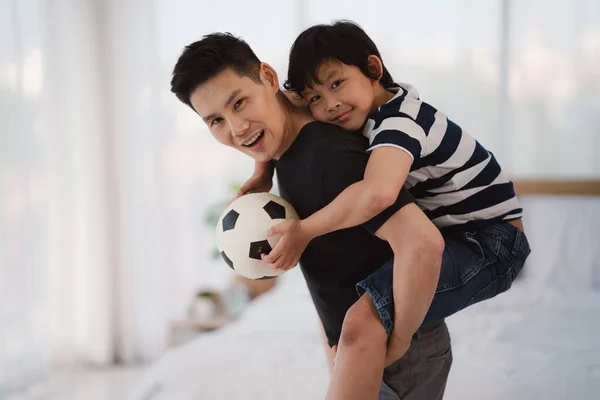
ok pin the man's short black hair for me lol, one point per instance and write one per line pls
(206, 58)
(342, 41)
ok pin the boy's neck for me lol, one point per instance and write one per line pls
(382, 96)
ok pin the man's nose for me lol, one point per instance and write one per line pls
(238, 126)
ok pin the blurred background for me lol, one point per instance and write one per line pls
(107, 181)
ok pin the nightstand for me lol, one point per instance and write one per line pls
(185, 330)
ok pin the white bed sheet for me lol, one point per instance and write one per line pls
(540, 340)
(273, 352)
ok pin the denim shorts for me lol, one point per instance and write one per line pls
(476, 265)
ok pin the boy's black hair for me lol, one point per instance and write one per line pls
(206, 58)
(342, 41)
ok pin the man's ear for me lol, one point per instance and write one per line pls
(375, 67)
(269, 77)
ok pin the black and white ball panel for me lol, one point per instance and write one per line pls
(241, 232)
(229, 220)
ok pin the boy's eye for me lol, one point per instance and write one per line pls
(215, 121)
(238, 104)
(336, 84)
(314, 98)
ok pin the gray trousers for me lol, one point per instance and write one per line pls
(423, 371)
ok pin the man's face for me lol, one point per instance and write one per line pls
(242, 113)
(344, 97)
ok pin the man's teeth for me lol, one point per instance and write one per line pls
(252, 139)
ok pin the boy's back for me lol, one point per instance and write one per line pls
(453, 178)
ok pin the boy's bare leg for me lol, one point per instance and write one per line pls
(416, 272)
(359, 362)
(400, 338)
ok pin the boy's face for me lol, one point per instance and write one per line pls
(243, 114)
(345, 96)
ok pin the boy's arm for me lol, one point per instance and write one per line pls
(384, 177)
(395, 144)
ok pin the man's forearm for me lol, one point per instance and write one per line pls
(264, 168)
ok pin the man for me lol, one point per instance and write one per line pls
(239, 99)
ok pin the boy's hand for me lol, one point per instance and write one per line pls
(256, 184)
(290, 247)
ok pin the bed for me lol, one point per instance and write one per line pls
(540, 340)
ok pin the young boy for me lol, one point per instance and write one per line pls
(338, 72)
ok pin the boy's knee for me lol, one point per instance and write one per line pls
(362, 323)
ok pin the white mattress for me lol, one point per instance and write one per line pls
(541, 340)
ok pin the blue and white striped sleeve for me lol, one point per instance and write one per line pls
(401, 132)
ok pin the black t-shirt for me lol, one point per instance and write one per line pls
(320, 164)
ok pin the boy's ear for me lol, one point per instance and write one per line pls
(295, 99)
(375, 67)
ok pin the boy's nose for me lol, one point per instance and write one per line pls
(334, 105)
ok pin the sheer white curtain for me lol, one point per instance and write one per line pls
(138, 128)
(82, 273)
(554, 88)
(108, 277)
(23, 198)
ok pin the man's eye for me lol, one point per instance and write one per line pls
(314, 98)
(215, 121)
(238, 104)
(336, 84)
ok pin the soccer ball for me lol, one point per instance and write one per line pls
(241, 232)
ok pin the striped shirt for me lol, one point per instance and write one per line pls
(453, 178)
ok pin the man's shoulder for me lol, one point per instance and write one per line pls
(321, 154)
(327, 139)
